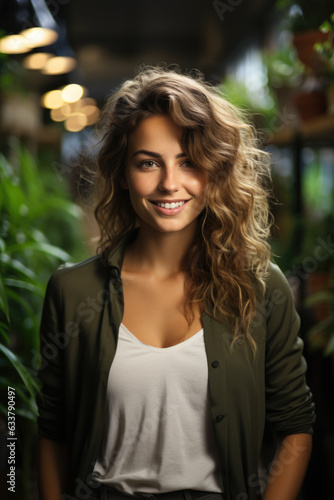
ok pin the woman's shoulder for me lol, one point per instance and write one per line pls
(84, 278)
(71, 270)
(276, 279)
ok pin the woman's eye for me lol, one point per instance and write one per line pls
(188, 164)
(147, 164)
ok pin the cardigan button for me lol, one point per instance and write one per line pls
(219, 418)
(117, 284)
(116, 278)
(215, 364)
(114, 272)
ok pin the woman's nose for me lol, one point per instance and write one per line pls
(170, 179)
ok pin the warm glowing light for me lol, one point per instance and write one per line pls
(76, 115)
(66, 110)
(84, 101)
(87, 101)
(38, 37)
(76, 122)
(36, 61)
(72, 93)
(89, 110)
(60, 114)
(59, 65)
(14, 44)
(52, 99)
(92, 113)
(57, 115)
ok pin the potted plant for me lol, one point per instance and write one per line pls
(303, 20)
(326, 53)
(285, 74)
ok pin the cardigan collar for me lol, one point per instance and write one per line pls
(115, 258)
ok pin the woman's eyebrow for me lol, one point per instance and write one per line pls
(155, 155)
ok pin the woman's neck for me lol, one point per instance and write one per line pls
(159, 253)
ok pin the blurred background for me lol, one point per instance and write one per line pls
(59, 60)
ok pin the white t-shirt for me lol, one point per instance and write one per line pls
(159, 433)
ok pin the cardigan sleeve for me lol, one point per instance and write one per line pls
(51, 399)
(289, 404)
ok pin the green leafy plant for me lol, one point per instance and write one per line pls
(37, 219)
(326, 49)
(260, 105)
(305, 14)
(284, 67)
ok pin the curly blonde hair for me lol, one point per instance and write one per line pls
(228, 259)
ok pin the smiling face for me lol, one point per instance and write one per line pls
(166, 190)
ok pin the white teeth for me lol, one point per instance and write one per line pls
(171, 205)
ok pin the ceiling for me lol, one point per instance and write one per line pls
(110, 38)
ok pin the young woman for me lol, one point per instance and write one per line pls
(164, 355)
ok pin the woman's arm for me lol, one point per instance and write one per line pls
(289, 404)
(288, 467)
(52, 463)
(52, 469)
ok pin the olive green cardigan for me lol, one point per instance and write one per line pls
(82, 312)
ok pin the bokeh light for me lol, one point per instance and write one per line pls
(76, 122)
(39, 37)
(14, 44)
(59, 65)
(52, 99)
(72, 93)
(36, 61)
